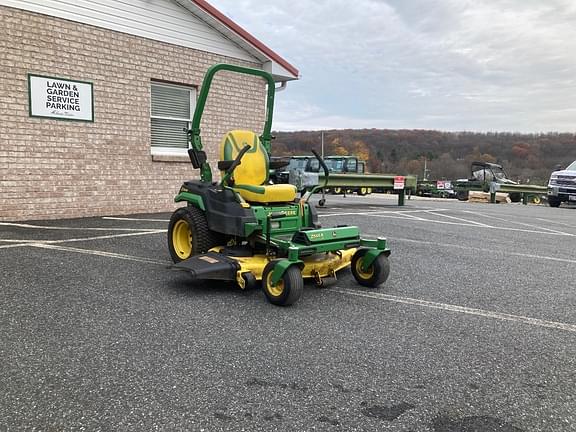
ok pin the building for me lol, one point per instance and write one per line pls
(95, 96)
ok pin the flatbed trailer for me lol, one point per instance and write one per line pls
(347, 175)
(380, 183)
(528, 193)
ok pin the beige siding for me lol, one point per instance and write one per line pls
(162, 20)
(55, 169)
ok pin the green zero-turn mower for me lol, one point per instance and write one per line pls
(246, 230)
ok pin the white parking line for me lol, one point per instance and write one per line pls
(28, 242)
(12, 245)
(134, 219)
(460, 309)
(373, 295)
(98, 253)
(406, 215)
(359, 212)
(57, 228)
(519, 223)
(555, 222)
(488, 251)
(459, 219)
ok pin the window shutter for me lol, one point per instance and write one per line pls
(169, 133)
(170, 116)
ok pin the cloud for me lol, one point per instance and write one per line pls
(445, 64)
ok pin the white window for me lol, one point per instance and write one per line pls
(171, 112)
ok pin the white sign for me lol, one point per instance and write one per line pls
(398, 182)
(60, 98)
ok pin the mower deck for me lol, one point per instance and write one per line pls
(216, 265)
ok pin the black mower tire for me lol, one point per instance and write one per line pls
(250, 282)
(376, 274)
(515, 197)
(290, 289)
(202, 238)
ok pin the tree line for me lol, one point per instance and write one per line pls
(528, 158)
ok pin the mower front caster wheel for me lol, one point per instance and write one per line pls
(375, 275)
(250, 282)
(288, 289)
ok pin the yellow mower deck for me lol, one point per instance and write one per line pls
(316, 266)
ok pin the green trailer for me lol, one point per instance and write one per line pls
(347, 176)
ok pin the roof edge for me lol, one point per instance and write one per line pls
(211, 10)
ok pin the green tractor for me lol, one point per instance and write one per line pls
(246, 230)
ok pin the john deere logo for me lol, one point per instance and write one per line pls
(334, 233)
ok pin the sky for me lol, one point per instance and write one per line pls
(456, 65)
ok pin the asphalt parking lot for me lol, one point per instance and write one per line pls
(475, 330)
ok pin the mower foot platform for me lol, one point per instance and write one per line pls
(210, 265)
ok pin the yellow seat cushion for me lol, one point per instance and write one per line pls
(251, 176)
(267, 193)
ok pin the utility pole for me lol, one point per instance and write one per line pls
(322, 141)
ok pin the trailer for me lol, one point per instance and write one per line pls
(435, 189)
(347, 176)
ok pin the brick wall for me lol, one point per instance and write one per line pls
(56, 169)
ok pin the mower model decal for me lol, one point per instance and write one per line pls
(208, 259)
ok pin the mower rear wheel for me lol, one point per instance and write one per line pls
(375, 275)
(288, 289)
(188, 234)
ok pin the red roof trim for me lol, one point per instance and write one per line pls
(245, 35)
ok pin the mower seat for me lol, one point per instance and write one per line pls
(251, 176)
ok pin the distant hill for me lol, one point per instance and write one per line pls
(525, 157)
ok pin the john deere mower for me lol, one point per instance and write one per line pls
(246, 230)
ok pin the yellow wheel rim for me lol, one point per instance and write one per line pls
(364, 274)
(337, 190)
(182, 239)
(275, 290)
(364, 191)
(536, 200)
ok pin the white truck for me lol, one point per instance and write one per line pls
(562, 186)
